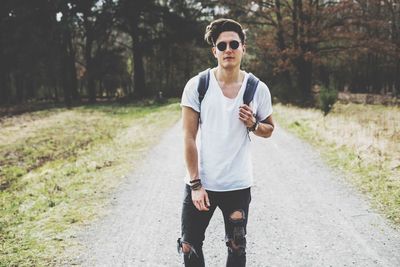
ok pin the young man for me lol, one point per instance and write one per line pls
(219, 166)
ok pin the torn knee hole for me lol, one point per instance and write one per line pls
(186, 248)
(232, 245)
(237, 215)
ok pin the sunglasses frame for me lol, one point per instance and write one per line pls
(232, 45)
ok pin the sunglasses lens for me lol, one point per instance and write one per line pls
(221, 46)
(234, 44)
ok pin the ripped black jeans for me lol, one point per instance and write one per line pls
(235, 209)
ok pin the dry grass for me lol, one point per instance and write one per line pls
(362, 140)
(58, 167)
(15, 128)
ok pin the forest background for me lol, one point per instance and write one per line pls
(75, 51)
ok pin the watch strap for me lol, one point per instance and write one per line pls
(253, 127)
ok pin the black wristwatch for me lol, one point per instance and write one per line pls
(254, 127)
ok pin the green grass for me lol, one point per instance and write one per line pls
(58, 167)
(363, 141)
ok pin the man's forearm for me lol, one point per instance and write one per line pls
(264, 130)
(191, 158)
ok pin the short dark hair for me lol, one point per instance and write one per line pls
(216, 27)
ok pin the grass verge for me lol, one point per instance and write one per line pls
(57, 168)
(361, 140)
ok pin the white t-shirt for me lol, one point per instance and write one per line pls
(223, 144)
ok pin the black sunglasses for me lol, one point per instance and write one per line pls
(232, 44)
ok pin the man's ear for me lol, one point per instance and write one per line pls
(214, 51)
(244, 48)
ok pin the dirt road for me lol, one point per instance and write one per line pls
(302, 214)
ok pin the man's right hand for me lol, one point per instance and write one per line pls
(200, 199)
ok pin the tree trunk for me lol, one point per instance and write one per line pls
(138, 76)
(65, 80)
(89, 65)
(30, 86)
(304, 69)
(287, 79)
(396, 88)
(138, 68)
(4, 86)
(19, 87)
(71, 68)
(295, 24)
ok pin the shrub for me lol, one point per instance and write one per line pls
(327, 98)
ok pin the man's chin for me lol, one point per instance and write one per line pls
(229, 65)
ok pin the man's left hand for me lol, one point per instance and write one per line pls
(246, 115)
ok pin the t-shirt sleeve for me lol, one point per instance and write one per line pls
(190, 96)
(264, 107)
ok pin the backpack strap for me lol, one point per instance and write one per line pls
(251, 87)
(204, 81)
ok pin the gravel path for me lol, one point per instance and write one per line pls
(302, 214)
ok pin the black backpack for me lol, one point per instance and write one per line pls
(248, 95)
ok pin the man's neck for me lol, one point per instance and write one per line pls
(228, 76)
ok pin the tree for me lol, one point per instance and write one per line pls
(131, 15)
(5, 93)
(296, 35)
(330, 42)
(63, 33)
